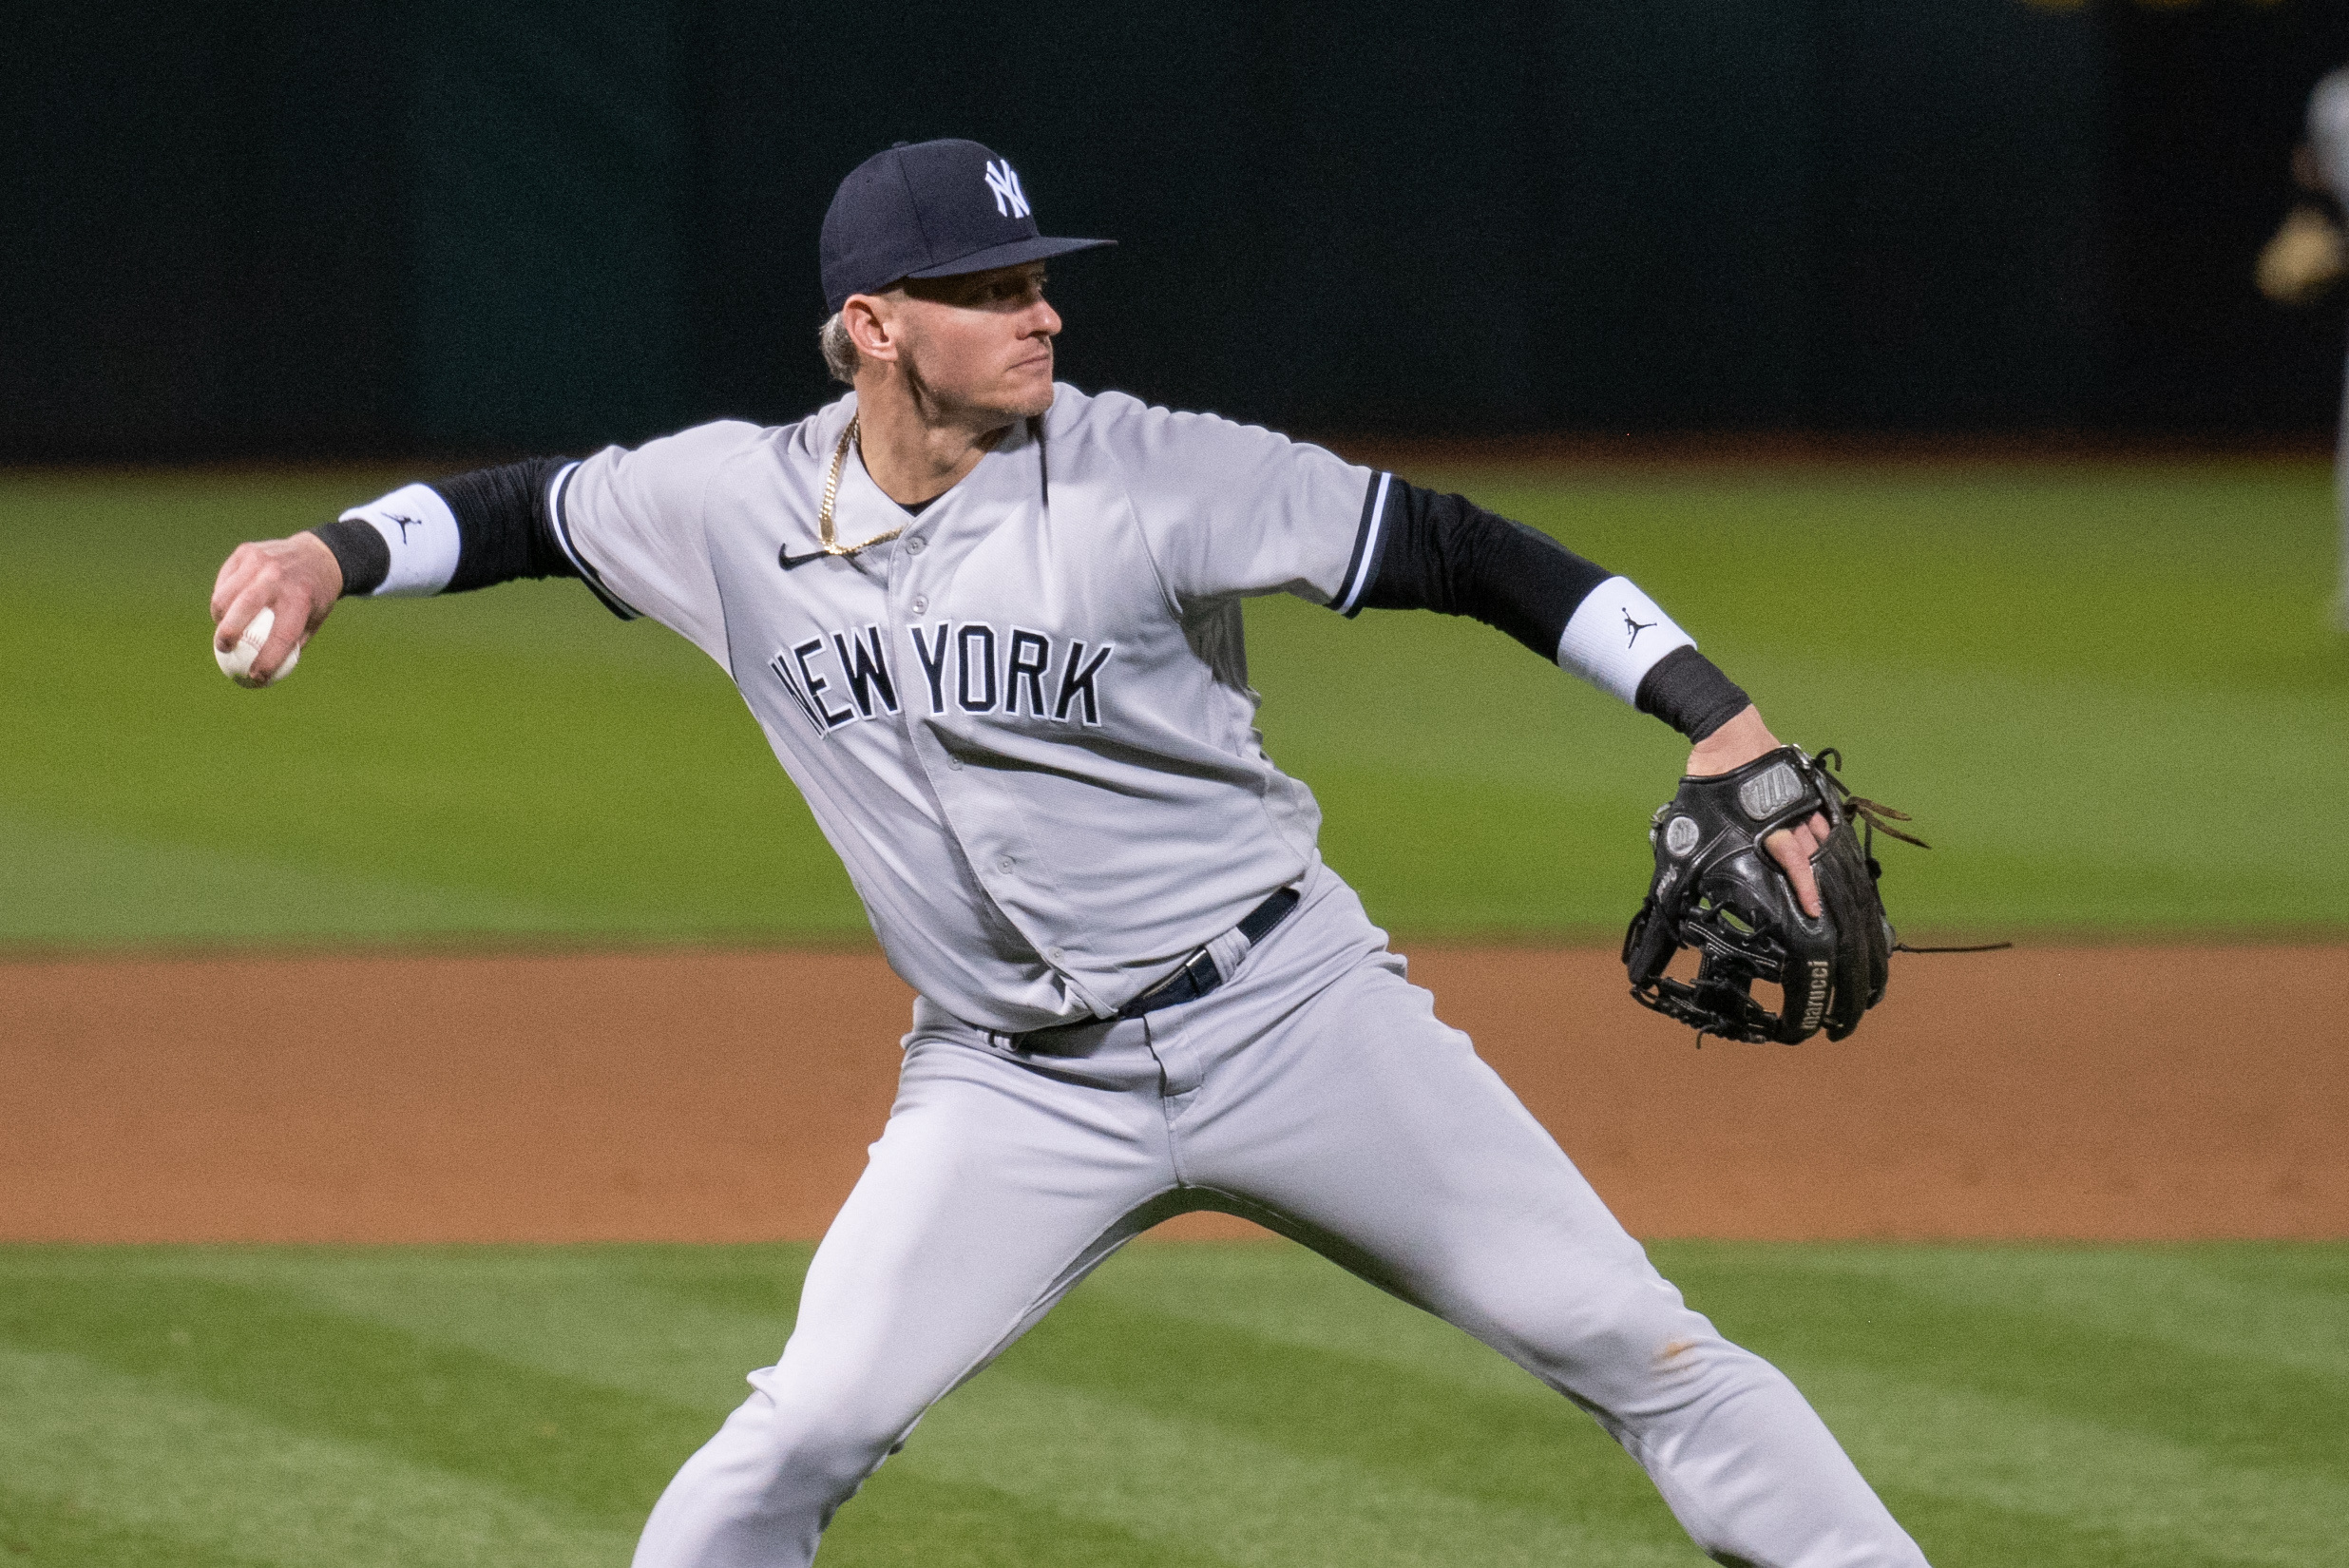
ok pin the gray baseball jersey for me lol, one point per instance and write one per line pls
(2328, 135)
(2328, 130)
(1025, 724)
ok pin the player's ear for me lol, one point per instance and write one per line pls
(872, 325)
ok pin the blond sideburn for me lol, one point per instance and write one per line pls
(839, 349)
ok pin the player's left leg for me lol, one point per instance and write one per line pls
(2340, 506)
(1366, 1128)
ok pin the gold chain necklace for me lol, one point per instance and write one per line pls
(832, 494)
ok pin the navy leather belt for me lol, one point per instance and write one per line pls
(1199, 974)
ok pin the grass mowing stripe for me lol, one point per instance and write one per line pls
(1969, 1533)
(2080, 556)
(1540, 1457)
(2235, 1409)
(598, 1455)
(1212, 1489)
(1284, 1294)
(725, 1306)
(679, 1325)
(904, 1519)
(761, 1280)
(2217, 1303)
(1060, 1455)
(79, 886)
(38, 1530)
(135, 1454)
(1144, 1305)
(2319, 1269)
(2101, 1476)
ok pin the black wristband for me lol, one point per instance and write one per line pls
(1689, 692)
(365, 559)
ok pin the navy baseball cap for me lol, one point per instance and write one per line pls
(930, 209)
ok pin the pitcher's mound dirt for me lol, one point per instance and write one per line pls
(703, 1097)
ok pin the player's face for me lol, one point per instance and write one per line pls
(982, 342)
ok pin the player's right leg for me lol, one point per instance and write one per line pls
(1000, 1181)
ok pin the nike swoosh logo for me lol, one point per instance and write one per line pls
(788, 560)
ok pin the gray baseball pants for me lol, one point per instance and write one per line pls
(1316, 1092)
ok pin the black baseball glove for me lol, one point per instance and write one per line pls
(1718, 891)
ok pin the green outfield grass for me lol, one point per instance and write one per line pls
(2105, 693)
(2175, 1407)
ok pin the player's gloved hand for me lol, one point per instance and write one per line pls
(1718, 890)
(298, 579)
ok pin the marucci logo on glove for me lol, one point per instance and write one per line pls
(1817, 1007)
(1766, 794)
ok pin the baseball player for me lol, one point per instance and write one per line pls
(991, 627)
(2309, 255)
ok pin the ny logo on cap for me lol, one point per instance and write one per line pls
(1005, 181)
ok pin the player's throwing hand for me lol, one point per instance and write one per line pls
(296, 578)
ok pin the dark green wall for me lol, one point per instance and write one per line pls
(349, 229)
(551, 159)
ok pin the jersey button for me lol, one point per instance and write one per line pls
(921, 606)
(913, 547)
(954, 764)
(1004, 864)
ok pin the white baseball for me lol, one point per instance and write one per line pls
(237, 661)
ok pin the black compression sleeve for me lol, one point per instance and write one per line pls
(506, 530)
(505, 526)
(1446, 553)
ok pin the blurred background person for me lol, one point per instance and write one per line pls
(2305, 260)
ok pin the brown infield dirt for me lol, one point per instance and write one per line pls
(2148, 1093)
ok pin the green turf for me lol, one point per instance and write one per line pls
(2159, 1408)
(2107, 694)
